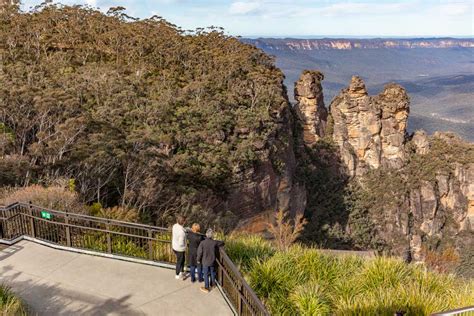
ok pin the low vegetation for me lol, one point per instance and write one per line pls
(304, 281)
(10, 304)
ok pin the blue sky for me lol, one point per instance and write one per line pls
(307, 17)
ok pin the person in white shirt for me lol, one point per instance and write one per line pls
(179, 245)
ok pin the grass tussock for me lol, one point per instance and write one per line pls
(304, 281)
(10, 304)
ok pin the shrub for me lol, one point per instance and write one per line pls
(57, 197)
(305, 281)
(118, 213)
(121, 245)
(286, 231)
(310, 299)
(244, 249)
(444, 261)
(10, 304)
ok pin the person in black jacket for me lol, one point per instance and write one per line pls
(206, 256)
(194, 238)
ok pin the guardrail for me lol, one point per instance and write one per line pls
(117, 238)
(460, 311)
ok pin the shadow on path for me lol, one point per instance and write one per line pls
(48, 298)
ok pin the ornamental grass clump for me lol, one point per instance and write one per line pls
(306, 281)
(10, 304)
(243, 249)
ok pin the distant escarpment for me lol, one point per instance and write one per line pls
(293, 44)
(406, 194)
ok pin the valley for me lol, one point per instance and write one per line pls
(437, 74)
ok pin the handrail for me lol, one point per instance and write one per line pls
(93, 218)
(246, 300)
(118, 238)
(459, 311)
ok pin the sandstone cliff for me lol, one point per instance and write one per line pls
(269, 44)
(310, 107)
(370, 131)
(417, 192)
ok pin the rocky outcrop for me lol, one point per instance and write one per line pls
(310, 107)
(370, 131)
(421, 142)
(427, 192)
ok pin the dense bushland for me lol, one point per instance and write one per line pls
(304, 281)
(139, 113)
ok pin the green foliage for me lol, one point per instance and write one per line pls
(10, 304)
(121, 245)
(130, 247)
(95, 208)
(72, 185)
(245, 248)
(304, 281)
(310, 299)
(140, 113)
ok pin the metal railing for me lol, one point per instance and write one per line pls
(118, 238)
(466, 311)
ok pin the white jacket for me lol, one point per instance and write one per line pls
(178, 238)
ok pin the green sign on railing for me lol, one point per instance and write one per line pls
(46, 215)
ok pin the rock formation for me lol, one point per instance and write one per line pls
(437, 211)
(434, 203)
(310, 107)
(370, 131)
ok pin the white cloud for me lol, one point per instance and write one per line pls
(242, 8)
(453, 9)
(352, 8)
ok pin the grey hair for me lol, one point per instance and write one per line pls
(209, 233)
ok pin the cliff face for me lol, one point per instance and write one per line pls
(271, 185)
(439, 210)
(310, 107)
(370, 131)
(419, 190)
(349, 44)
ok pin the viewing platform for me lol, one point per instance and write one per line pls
(75, 264)
(57, 282)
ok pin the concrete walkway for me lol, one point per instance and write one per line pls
(55, 282)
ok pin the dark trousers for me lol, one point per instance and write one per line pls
(209, 272)
(193, 273)
(179, 261)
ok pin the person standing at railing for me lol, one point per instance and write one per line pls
(179, 245)
(194, 238)
(206, 256)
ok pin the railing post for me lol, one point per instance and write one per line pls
(32, 222)
(109, 239)
(150, 244)
(221, 274)
(220, 266)
(241, 305)
(68, 231)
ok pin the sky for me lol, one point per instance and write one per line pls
(306, 18)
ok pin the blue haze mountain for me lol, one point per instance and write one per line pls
(437, 73)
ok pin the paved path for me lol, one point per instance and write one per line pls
(55, 282)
